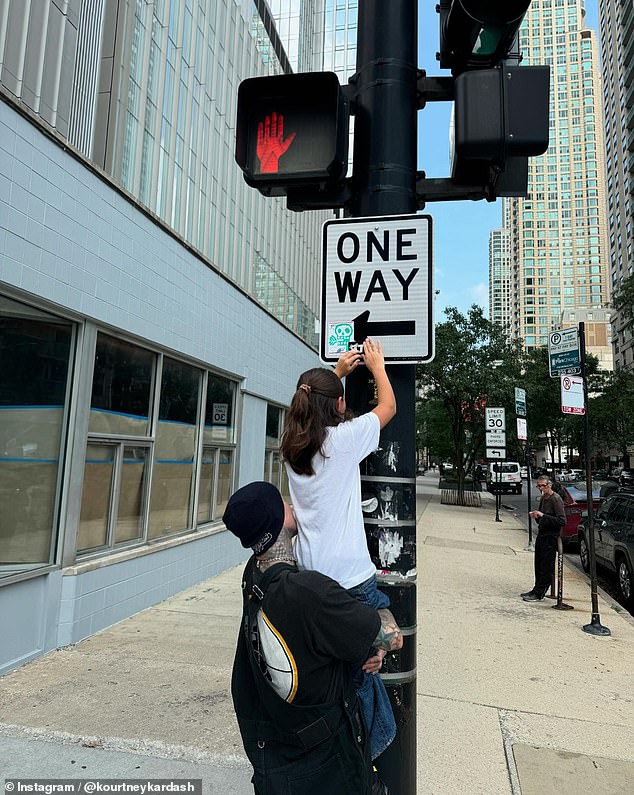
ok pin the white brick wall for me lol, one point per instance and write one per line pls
(68, 237)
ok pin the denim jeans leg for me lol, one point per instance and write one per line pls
(375, 703)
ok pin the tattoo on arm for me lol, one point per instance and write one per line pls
(390, 637)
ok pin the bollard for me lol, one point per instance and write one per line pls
(561, 605)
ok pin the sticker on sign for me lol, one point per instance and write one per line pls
(377, 281)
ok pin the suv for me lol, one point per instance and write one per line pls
(504, 476)
(614, 541)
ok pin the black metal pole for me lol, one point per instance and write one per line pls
(498, 493)
(384, 183)
(528, 492)
(594, 627)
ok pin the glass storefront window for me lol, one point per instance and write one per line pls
(274, 471)
(96, 497)
(131, 494)
(225, 481)
(174, 451)
(219, 410)
(206, 485)
(35, 355)
(121, 388)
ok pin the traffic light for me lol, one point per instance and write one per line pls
(501, 111)
(292, 131)
(477, 34)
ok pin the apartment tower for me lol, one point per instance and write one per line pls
(558, 239)
(617, 56)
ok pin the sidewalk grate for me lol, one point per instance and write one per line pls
(468, 499)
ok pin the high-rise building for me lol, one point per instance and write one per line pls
(558, 234)
(155, 312)
(500, 278)
(617, 56)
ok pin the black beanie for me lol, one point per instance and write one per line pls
(255, 514)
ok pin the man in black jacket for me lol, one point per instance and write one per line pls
(550, 518)
(301, 633)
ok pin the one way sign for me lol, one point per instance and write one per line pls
(377, 282)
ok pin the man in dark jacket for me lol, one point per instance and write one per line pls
(291, 685)
(550, 518)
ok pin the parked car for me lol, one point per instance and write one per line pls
(575, 498)
(504, 476)
(614, 542)
(570, 475)
(626, 479)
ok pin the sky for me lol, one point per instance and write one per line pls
(461, 229)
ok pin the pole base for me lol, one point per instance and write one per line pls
(596, 628)
(563, 606)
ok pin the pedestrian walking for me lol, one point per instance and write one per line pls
(301, 633)
(550, 518)
(322, 449)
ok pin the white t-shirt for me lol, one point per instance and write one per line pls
(327, 505)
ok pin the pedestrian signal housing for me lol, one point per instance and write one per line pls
(292, 131)
(502, 113)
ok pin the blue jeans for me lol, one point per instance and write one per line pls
(375, 702)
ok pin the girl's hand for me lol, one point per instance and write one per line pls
(373, 355)
(347, 363)
(374, 663)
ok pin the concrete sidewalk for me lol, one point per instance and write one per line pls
(512, 697)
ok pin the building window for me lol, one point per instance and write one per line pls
(115, 489)
(35, 361)
(158, 428)
(175, 449)
(217, 465)
(274, 471)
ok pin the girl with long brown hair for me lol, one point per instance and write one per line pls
(322, 449)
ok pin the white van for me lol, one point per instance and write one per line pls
(504, 476)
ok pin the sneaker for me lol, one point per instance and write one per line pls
(533, 597)
(527, 593)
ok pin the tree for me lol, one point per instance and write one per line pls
(612, 414)
(474, 366)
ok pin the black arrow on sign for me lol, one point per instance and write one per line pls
(389, 328)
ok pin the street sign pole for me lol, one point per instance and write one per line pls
(594, 627)
(385, 178)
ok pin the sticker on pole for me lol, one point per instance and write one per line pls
(572, 400)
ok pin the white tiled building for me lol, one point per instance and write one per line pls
(154, 311)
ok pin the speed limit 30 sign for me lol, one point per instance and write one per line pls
(495, 425)
(495, 419)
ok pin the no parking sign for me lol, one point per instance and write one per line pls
(572, 400)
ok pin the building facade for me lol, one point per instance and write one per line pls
(500, 279)
(558, 232)
(154, 311)
(617, 56)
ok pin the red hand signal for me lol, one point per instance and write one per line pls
(271, 144)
